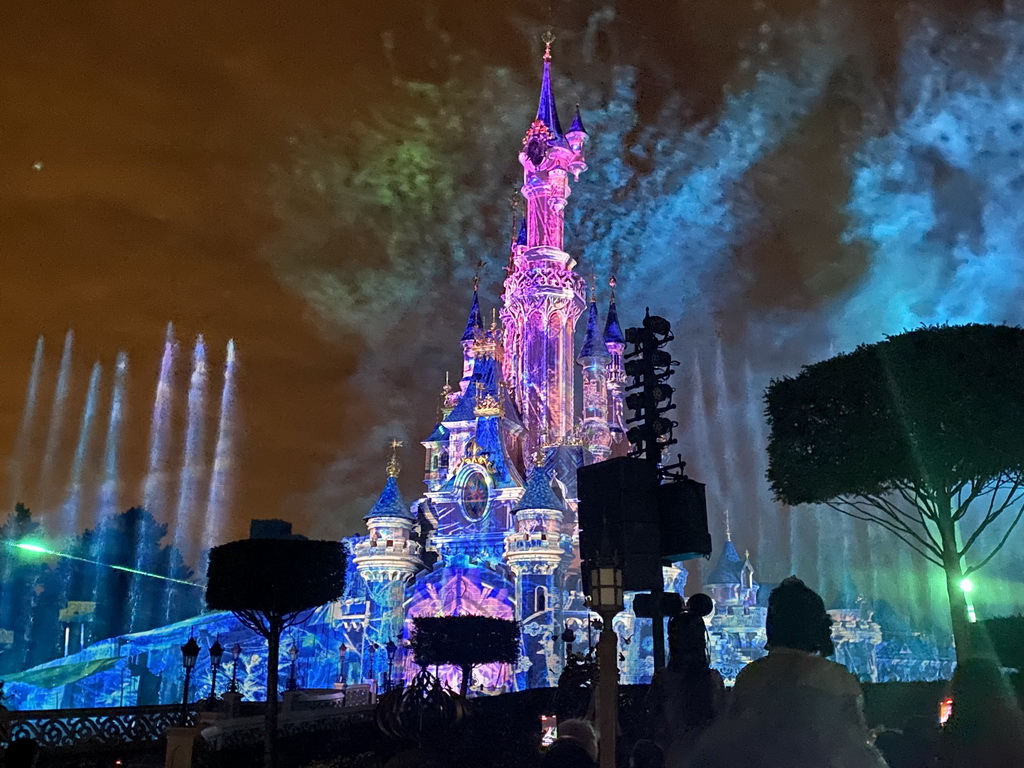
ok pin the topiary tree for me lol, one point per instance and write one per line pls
(922, 434)
(465, 642)
(270, 585)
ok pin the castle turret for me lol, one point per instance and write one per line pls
(387, 560)
(474, 328)
(615, 343)
(538, 553)
(544, 297)
(594, 358)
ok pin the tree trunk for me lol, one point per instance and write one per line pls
(270, 737)
(467, 675)
(954, 575)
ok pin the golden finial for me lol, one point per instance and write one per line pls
(593, 285)
(393, 465)
(494, 319)
(541, 457)
(728, 528)
(746, 554)
(612, 282)
(548, 37)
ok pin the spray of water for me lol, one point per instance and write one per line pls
(191, 469)
(154, 485)
(60, 397)
(154, 491)
(73, 500)
(219, 499)
(109, 486)
(22, 443)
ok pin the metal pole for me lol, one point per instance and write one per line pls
(607, 692)
(184, 697)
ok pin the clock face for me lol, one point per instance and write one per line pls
(475, 497)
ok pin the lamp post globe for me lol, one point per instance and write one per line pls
(189, 656)
(216, 654)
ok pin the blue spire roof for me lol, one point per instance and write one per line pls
(612, 329)
(729, 566)
(390, 503)
(521, 237)
(577, 122)
(546, 110)
(539, 494)
(591, 346)
(475, 321)
(484, 373)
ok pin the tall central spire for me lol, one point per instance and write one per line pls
(544, 297)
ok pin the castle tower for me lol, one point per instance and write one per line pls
(474, 328)
(594, 358)
(544, 297)
(615, 343)
(538, 552)
(387, 560)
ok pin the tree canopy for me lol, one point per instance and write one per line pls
(922, 433)
(275, 577)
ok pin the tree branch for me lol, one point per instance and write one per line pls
(898, 529)
(999, 546)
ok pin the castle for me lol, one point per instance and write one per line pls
(495, 532)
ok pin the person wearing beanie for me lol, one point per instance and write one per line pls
(793, 707)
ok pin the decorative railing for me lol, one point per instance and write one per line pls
(91, 728)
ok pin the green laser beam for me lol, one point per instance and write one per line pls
(29, 547)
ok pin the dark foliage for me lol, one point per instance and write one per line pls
(275, 576)
(930, 407)
(1005, 636)
(465, 641)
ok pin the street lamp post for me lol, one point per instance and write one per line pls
(293, 654)
(607, 599)
(189, 655)
(391, 649)
(236, 654)
(216, 654)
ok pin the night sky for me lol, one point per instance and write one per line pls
(231, 167)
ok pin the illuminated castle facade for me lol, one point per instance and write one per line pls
(495, 533)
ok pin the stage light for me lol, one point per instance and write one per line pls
(966, 585)
(29, 547)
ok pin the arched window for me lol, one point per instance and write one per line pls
(540, 600)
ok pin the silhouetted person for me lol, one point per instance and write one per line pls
(986, 727)
(687, 695)
(567, 753)
(580, 732)
(646, 754)
(793, 707)
(22, 753)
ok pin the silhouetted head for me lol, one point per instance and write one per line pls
(581, 732)
(646, 754)
(687, 639)
(797, 619)
(567, 753)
